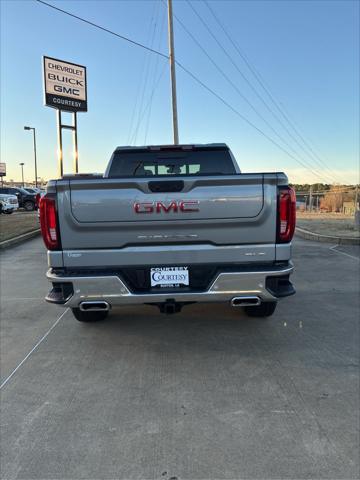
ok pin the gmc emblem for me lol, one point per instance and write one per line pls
(183, 206)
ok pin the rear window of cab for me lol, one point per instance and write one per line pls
(160, 164)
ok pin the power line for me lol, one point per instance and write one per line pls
(268, 92)
(222, 100)
(259, 96)
(194, 77)
(308, 166)
(156, 67)
(296, 129)
(127, 39)
(138, 89)
(147, 68)
(142, 115)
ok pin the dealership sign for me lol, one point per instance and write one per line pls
(2, 169)
(65, 85)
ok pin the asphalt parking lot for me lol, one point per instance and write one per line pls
(204, 394)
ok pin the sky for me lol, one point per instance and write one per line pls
(306, 53)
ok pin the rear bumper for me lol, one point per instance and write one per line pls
(267, 284)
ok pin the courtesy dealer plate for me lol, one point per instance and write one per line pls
(169, 276)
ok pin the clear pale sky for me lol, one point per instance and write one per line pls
(307, 52)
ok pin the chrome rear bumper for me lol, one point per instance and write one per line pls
(111, 289)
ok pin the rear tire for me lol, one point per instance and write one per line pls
(89, 316)
(29, 206)
(8, 212)
(265, 309)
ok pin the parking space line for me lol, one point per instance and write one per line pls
(342, 253)
(33, 349)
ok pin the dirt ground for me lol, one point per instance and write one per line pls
(335, 224)
(17, 223)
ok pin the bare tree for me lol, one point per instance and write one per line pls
(333, 200)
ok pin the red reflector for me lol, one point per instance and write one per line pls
(286, 214)
(48, 223)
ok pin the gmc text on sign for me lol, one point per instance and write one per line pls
(65, 85)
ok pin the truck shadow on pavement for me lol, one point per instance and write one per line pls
(198, 328)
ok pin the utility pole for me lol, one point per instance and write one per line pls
(172, 73)
(311, 198)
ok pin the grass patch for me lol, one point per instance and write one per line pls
(333, 224)
(17, 223)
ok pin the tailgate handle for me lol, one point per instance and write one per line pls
(166, 186)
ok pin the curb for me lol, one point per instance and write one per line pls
(19, 239)
(317, 237)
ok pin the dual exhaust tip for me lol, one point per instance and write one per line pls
(167, 307)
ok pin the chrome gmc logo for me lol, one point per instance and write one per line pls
(182, 206)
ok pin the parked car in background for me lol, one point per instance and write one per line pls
(26, 200)
(34, 190)
(8, 203)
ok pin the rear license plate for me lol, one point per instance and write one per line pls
(169, 276)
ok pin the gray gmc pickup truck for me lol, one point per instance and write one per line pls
(169, 226)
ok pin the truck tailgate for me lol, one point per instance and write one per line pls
(219, 211)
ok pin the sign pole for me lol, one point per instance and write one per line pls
(75, 140)
(65, 89)
(60, 149)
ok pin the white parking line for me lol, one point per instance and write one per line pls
(32, 350)
(343, 253)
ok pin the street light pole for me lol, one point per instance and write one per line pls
(34, 142)
(22, 172)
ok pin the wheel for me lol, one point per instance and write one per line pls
(265, 309)
(29, 206)
(8, 212)
(89, 316)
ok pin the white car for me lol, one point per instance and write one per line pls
(8, 203)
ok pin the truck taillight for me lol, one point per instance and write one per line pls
(286, 214)
(49, 223)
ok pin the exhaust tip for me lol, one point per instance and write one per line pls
(245, 301)
(94, 306)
